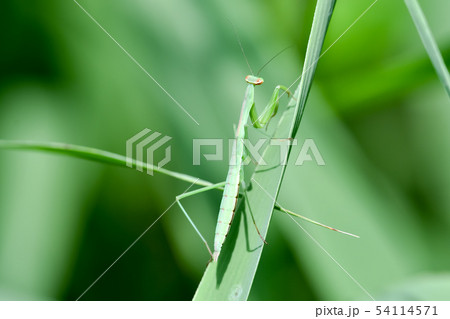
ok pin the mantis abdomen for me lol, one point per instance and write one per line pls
(229, 198)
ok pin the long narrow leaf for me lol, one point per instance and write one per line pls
(96, 155)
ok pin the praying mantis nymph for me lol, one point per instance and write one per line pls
(233, 181)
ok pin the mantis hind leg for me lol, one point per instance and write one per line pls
(270, 110)
(253, 219)
(245, 187)
(287, 211)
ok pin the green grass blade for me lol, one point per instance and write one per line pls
(232, 276)
(96, 155)
(322, 17)
(429, 42)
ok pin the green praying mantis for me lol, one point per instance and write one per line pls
(235, 172)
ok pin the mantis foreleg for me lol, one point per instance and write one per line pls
(270, 110)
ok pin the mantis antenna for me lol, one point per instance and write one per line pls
(272, 58)
(240, 45)
(245, 56)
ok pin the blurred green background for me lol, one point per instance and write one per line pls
(377, 113)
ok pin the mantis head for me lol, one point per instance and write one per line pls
(254, 80)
